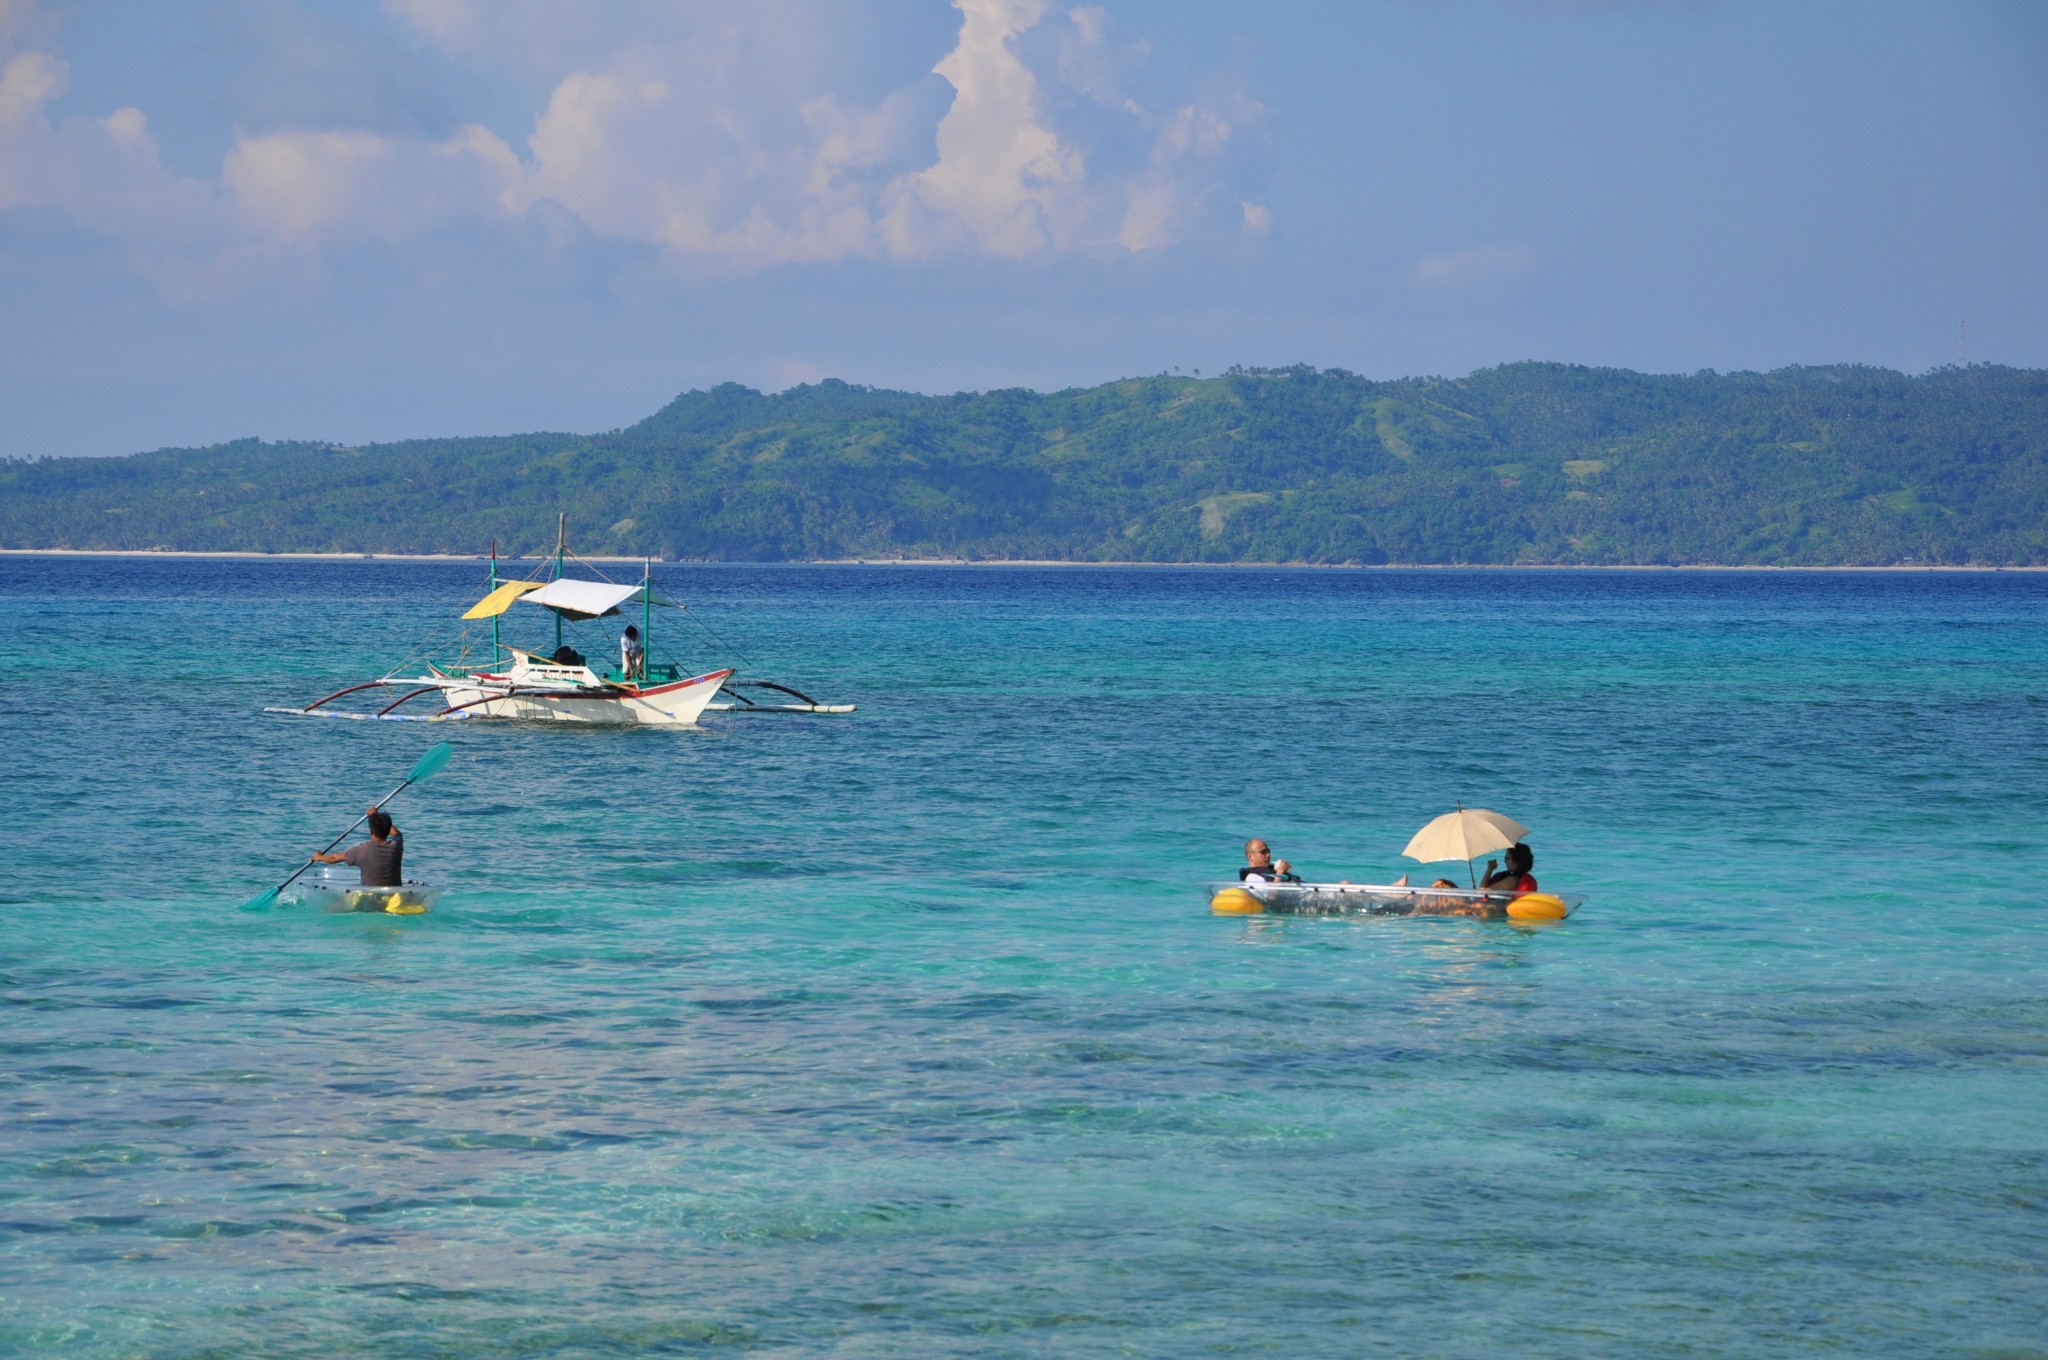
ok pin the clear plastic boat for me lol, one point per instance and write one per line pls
(337, 887)
(1383, 899)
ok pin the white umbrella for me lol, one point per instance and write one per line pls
(1465, 834)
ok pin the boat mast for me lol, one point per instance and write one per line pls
(646, 613)
(497, 652)
(561, 546)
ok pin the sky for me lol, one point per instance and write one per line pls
(304, 219)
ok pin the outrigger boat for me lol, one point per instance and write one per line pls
(1384, 899)
(562, 685)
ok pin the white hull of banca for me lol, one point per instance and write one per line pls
(539, 692)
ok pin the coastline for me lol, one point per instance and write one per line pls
(1372, 566)
(246, 555)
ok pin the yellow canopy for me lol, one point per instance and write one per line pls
(500, 600)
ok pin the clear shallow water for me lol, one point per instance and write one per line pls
(909, 1032)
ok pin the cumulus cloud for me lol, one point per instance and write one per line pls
(1001, 173)
(1095, 63)
(725, 139)
(1458, 268)
(28, 82)
(106, 175)
(664, 148)
(292, 184)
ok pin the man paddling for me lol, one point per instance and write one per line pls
(379, 859)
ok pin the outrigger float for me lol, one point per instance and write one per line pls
(562, 685)
(1384, 899)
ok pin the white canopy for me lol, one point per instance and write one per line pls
(586, 599)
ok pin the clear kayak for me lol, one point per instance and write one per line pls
(1384, 899)
(333, 887)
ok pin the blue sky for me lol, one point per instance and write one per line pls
(360, 221)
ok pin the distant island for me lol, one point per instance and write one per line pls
(1526, 463)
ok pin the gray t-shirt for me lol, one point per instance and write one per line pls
(381, 864)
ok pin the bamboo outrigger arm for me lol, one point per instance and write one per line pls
(749, 704)
(407, 698)
(368, 684)
(488, 698)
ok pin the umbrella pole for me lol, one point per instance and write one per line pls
(1470, 877)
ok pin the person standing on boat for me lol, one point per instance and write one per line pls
(381, 859)
(632, 655)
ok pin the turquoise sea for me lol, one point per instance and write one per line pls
(909, 1033)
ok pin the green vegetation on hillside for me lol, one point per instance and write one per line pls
(1523, 463)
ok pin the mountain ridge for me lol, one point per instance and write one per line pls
(1537, 463)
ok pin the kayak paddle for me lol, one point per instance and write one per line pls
(429, 765)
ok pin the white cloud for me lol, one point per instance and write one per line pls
(665, 148)
(1001, 173)
(657, 151)
(28, 82)
(129, 127)
(105, 174)
(1458, 268)
(1093, 63)
(1182, 173)
(719, 139)
(583, 158)
(853, 143)
(291, 184)
(1195, 130)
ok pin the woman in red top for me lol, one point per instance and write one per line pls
(1516, 878)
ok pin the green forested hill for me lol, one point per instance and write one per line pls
(1523, 463)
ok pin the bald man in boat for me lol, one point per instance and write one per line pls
(381, 859)
(1259, 866)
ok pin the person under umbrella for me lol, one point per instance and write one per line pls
(1516, 878)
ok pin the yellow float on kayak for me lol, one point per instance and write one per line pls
(1235, 902)
(1538, 906)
